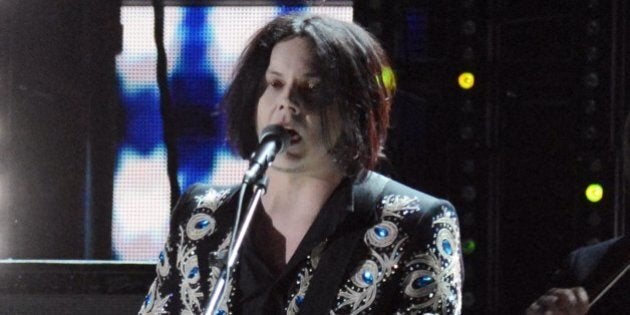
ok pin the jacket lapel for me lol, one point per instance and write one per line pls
(344, 246)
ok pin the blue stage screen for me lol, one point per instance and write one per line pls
(202, 44)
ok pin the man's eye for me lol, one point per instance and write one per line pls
(308, 88)
(275, 83)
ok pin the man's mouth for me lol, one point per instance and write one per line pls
(295, 137)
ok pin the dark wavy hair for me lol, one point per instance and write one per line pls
(356, 80)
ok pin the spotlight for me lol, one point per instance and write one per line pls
(590, 133)
(466, 132)
(469, 27)
(596, 166)
(591, 80)
(468, 53)
(590, 107)
(593, 27)
(466, 80)
(594, 192)
(469, 246)
(469, 193)
(594, 219)
(467, 4)
(468, 166)
(467, 107)
(592, 54)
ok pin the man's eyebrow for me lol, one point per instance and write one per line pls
(273, 72)
(309, 75)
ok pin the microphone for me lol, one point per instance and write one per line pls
(273, 140)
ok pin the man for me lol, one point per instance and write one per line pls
(330, 235)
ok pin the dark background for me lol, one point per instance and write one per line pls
(514, 153)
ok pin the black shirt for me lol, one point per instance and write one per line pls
(262, 288)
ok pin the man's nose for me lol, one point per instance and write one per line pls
(289, 103)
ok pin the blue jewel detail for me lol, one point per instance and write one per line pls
(202, 224)
(193, 272)
(381, 232)
(368, 277)
(162, 258)
(422, 282)
(220, 312)
(299, 300)
(147, 299)
(446, 245)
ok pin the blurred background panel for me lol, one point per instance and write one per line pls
(58, 96)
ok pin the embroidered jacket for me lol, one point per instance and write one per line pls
(398, 253)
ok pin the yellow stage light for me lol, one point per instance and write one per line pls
(594, 192)
(466, 80)
(388, 78)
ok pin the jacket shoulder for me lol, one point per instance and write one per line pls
(424, 200)
(417, 213)
(202, 196)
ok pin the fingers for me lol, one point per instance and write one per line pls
(560, 301)
(582, 304)
(544, 305)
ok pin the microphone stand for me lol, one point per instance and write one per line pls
(218, 293)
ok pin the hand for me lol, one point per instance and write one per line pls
(566, 301)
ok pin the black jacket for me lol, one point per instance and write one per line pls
(395, 250)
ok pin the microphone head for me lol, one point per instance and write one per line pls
(278, 134)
